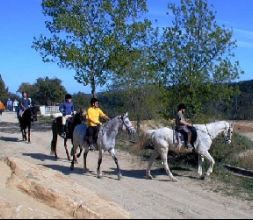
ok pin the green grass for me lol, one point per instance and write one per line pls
(229, 154)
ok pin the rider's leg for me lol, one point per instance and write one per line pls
(189, 134)
(90, 134)
(64, 121)
(95, 136)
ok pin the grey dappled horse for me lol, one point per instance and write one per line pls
(106, 141)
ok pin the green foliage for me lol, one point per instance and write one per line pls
(196, 55)
(81, 101)
(45, 91)
(85, 34)
(3, 90)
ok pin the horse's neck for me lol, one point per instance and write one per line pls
(112, 128)
(215, 129)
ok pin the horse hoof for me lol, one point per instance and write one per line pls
(202, 177)
(85, 170)
(149, 177)
(174, 180)
(72, 168)
(120, 176)
(99, 176)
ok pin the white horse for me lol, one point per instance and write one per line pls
(106, 141)
(162, 141)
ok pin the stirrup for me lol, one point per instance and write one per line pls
(189, 146)
(92, 147)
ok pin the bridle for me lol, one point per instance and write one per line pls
(130, 129)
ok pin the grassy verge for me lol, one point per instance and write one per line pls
(231, 154)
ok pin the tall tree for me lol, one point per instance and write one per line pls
(135, 75)
(196, 56)
(28, 88)
(3, 90)
(49, 91)
(84, 35)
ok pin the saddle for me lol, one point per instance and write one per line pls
(181, 137)
(67, 128)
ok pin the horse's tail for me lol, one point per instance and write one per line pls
(55, 136)
(145, 141)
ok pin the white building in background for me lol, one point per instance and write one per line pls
(49, 111)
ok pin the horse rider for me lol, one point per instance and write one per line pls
(94, 114)
(67, 110)
(182, 125)
(24, 104)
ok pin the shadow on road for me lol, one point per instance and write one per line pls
(10, 139)
(65, 170)
(38, 156)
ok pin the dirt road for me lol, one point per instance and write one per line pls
(160, 198)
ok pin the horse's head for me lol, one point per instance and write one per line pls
(127, 124)
(228, 133)
(34, 113)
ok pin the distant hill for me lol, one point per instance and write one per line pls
(244, 102)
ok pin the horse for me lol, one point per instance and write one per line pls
(25, 121)
(163, 141)
(57, 129)
(106, 141)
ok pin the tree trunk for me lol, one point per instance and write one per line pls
(93, 87)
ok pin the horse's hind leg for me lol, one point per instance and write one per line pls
(151, 161)
(72, 167)
(112, 152)
(66, 149)
(200, 165)
(85, 159)
(100, 159)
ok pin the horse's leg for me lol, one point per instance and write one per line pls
(164, 156)
(54, 141)
(29, 134)
(80, 153)
(66, 149)
(100, 159)
(112, 152)
(85, 158)
(154, 155)
(24, 135)
(73, 157)
(200, 165)
(208, 156)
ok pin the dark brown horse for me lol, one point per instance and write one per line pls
(25, 121)
(57, 129)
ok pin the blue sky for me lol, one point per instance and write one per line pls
(21, 20)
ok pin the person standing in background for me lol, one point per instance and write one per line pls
(2, 107)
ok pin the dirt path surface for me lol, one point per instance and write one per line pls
(160, 198)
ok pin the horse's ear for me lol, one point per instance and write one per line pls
(126, 115)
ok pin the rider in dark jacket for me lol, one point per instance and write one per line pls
(67, 110)
(24, 104)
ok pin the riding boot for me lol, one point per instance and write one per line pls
(63, 132)
(189, 145)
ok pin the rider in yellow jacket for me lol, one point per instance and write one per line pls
(94, 114)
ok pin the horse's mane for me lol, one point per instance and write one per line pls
(109, 126)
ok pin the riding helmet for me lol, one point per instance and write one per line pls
(181, 106)
(93, 101)
(68, 96)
